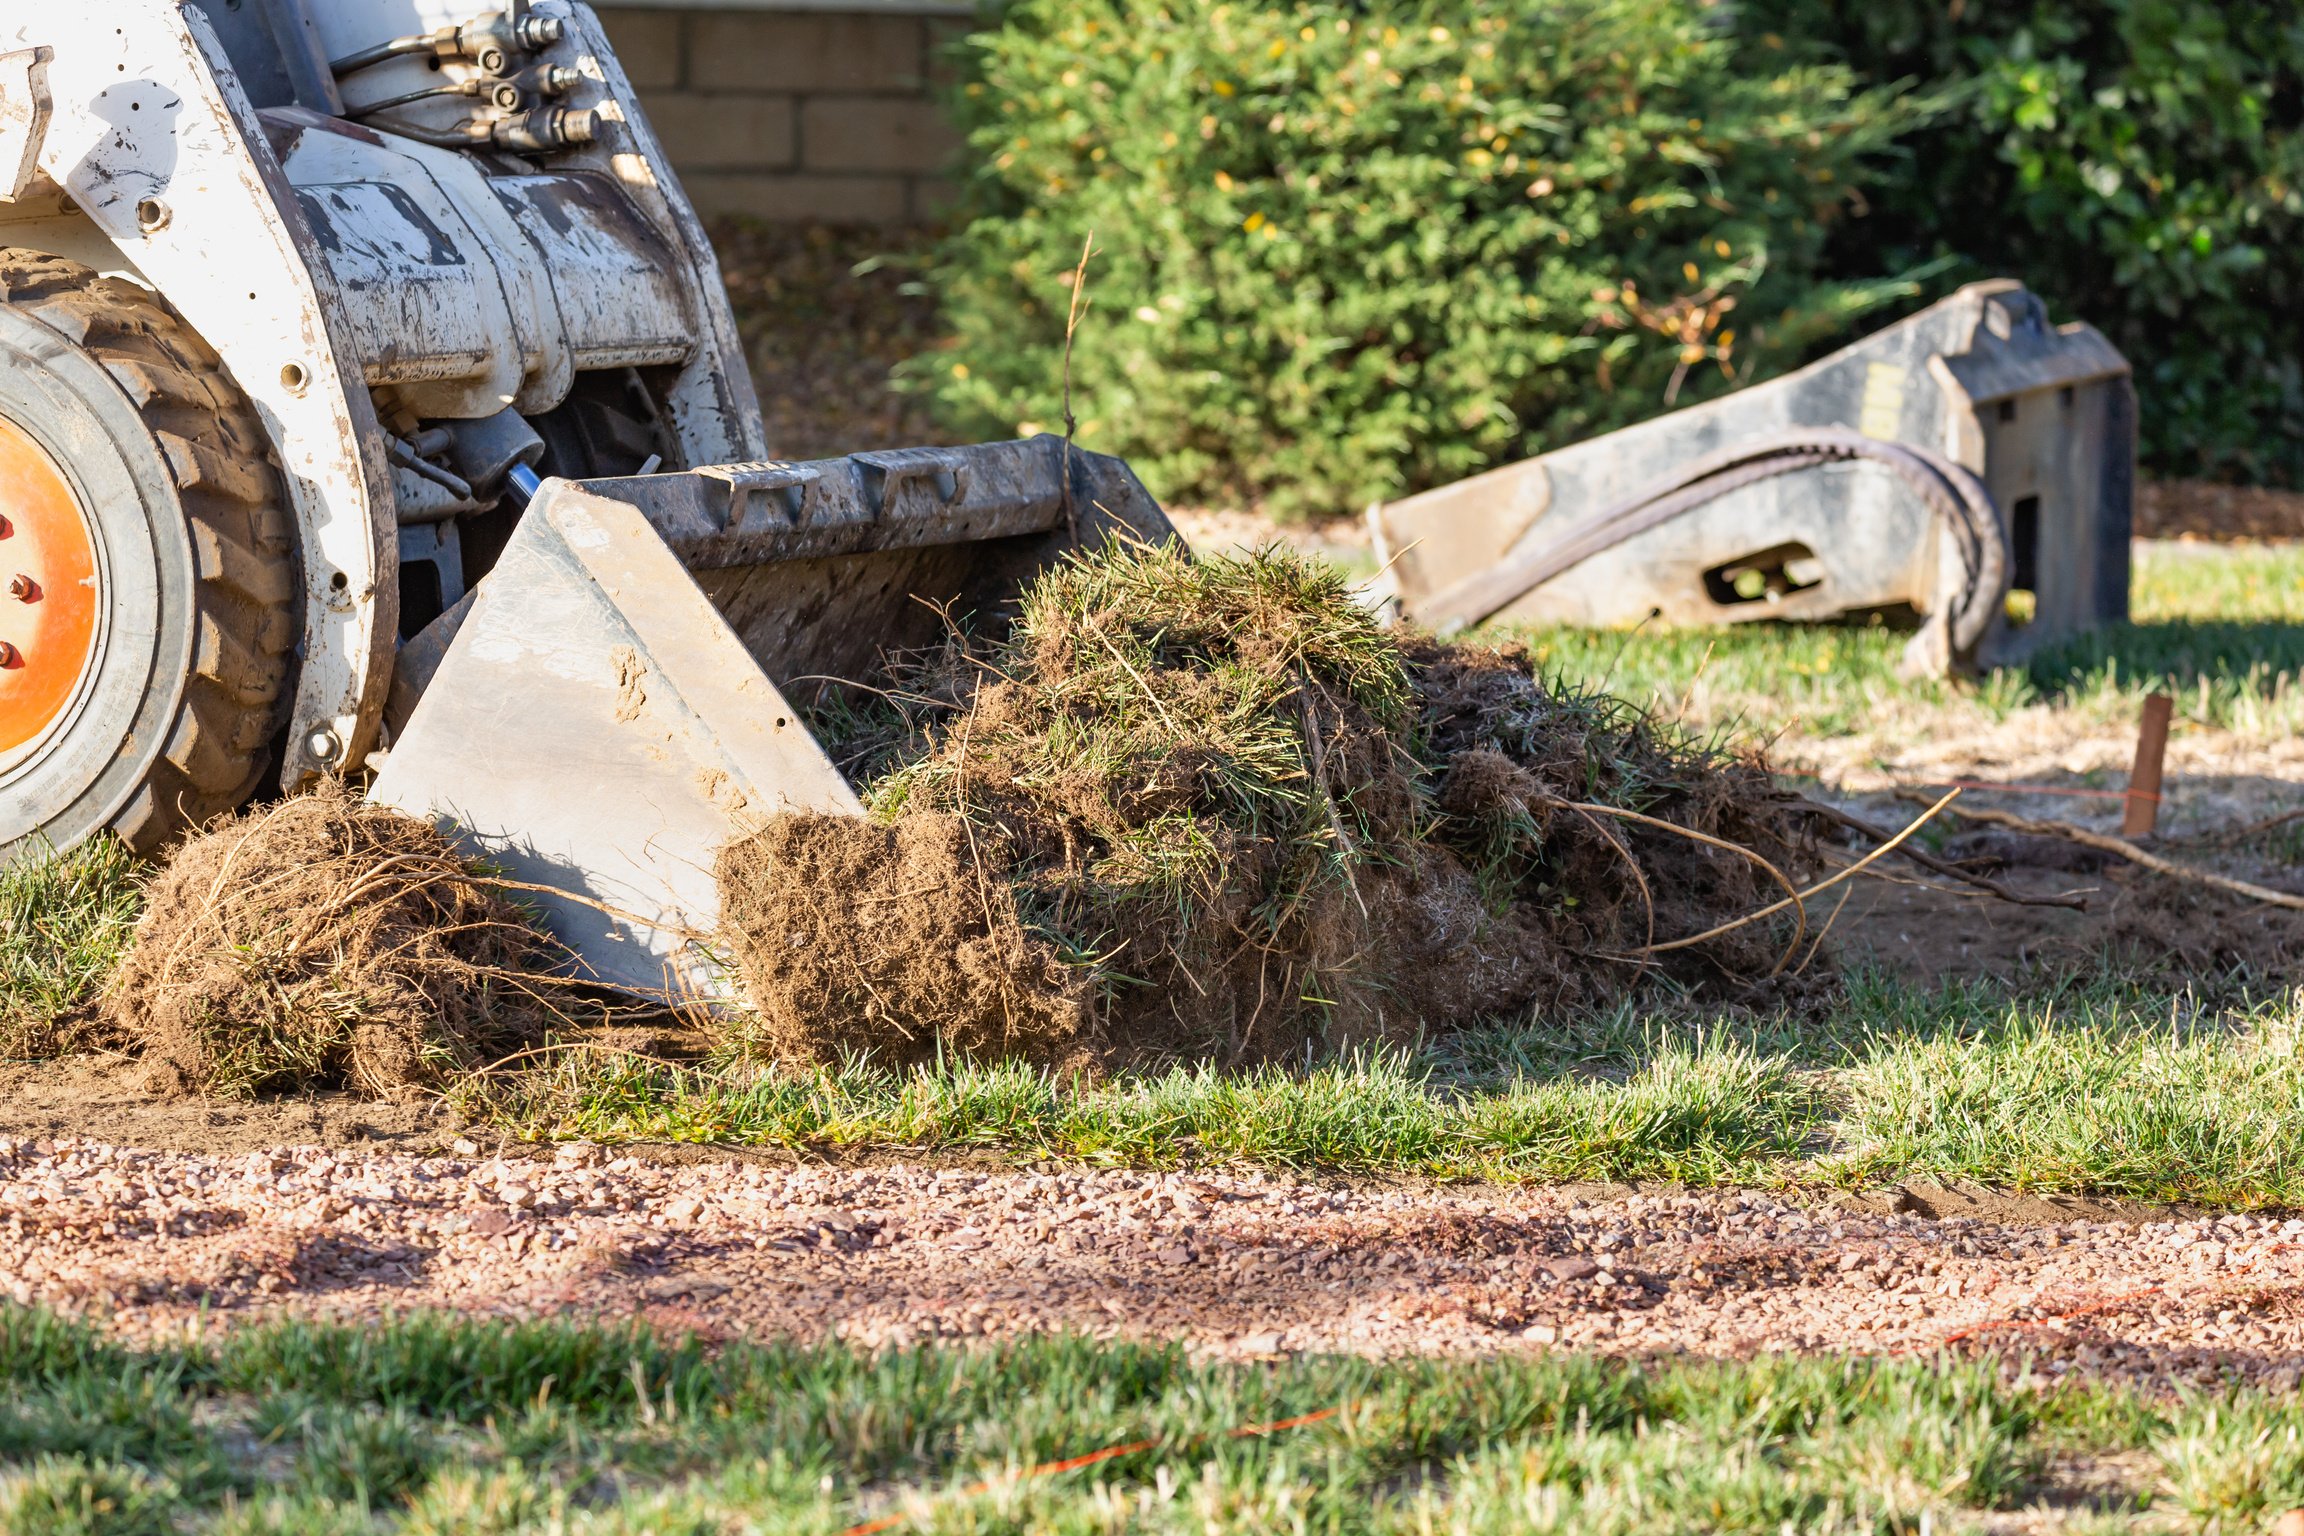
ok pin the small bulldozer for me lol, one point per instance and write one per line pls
(370, 403)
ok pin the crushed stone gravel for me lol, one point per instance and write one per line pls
(1239, 1264)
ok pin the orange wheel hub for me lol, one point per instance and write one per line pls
(49, 602)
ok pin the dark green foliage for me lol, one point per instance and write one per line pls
(2138, 162)
(1347, 250)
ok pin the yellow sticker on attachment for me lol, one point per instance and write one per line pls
(1883, 410)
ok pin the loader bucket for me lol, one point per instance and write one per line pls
(612, 706)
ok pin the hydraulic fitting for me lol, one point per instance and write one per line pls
(491, 41)
(547, 82)
(540, 130)
(494, 40)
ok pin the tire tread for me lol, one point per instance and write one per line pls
(246, 586)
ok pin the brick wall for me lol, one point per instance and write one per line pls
(817, 116)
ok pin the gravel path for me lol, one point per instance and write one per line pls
(1241, 1264)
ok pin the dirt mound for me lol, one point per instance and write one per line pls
(325, 943)
(1212, 809)
(881, 916)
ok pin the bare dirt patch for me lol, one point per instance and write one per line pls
(108, 1098)
(2134, 919)
(1243, 1265)
(325, 943)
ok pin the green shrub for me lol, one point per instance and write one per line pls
(2140, 163)
(1352, 249)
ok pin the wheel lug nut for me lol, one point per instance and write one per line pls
(23, 588)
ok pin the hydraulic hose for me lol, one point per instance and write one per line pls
(1950, 490)
(504, 95)
(368, 58)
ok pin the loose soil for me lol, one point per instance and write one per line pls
(1240, 1265)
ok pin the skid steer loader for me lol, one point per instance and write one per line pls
(302, 302)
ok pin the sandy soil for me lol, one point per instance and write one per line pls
(1245, 1265)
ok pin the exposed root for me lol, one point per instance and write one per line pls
(2135, 854)
(1930, 862)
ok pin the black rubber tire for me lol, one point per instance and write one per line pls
(220, 567)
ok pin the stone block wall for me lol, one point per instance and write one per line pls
(813, 116)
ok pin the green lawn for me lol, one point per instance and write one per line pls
(64, 919)
(433, 1427)
(2219, 627)
(2099, 1090)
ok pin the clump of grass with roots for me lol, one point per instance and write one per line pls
(1212, 810)
(65, 918)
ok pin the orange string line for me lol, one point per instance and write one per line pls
(1110, 1452)
(2019, 1324)
(2046, 789)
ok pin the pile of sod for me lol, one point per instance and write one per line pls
(1213, 809)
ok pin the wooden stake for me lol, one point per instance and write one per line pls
(2143, 812)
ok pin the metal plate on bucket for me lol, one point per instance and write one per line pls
(596, 728)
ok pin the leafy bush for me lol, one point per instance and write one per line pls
(1352, 249)
(2140, 163)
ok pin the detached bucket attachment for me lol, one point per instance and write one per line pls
(1971, 467)
(611, 709)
